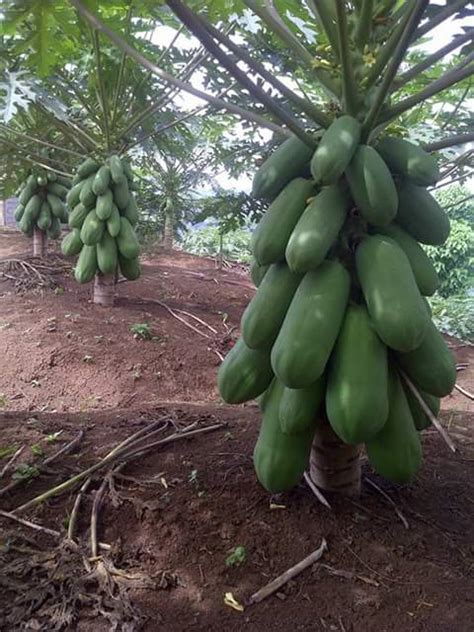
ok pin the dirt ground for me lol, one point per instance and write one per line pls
(175, 516)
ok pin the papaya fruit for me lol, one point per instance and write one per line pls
(395, 452)
(71, 244)
(116, 169)
(283, 165)
(54, 231)
(73, 196)
(92, 229)
(263, 316)
(392, 296)
(87, 168)
(280, 460)
(263, 398)
(298, 410)
(33, 207)
(104, 205)
(28, 190)
(58, 190)
(131, 211)
(52, 177)
(113, 222)
(100, 184)
(244, 374)
(26, 224)
(86, 265)
(257, 272)
(44, 218)
(130, 268)
(357, 385)
(41, 181)
(335, 150)
(20, 209)
(107, 255)
(56, 205)
(87, 195)
(424, 271)
(408, 160)
(270, 238)
(77, 216)
(64, 180)
(317, 229)
(430, 366)
(372, 186)
(121, 194)
(312, 322)
(127, 169)
(420, 418)
(421, 215)
(127, 241)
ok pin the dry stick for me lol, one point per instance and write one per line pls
(10, 462)
(175, 315)
(199, 320)
(316, 491)
(99, 495)
(281, 580)
(428, 412)
(75, 510)
(392, 502)
(463, 391)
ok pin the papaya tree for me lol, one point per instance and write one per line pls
(338, 344)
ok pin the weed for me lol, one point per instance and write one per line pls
(3, 400)
(236, 557)
(51, 438)
(25, 472)
(37, 450)
(141, 331)
(193, 478)
(7, 451)
(59, 290)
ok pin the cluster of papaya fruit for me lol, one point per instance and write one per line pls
(41, 204)
(102, 216)
(340, 317)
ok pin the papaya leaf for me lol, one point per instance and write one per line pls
(17, 94)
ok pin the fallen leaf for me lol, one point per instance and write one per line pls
(230, 601)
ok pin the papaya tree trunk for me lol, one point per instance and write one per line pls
(334, 465)
(104, 289)
(39, 242)
(168, 231)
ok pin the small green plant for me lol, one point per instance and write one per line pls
(53, 437)
(193, 478)
(3, 400)
(7, 451)
(37, 450)
(25, 472)
(59, 290)
(141, 331)
(236, 557)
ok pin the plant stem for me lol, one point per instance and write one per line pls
(349, 87)
(100, 82)
(450, 141)
(392, 68)
(165, 76)
(451, 8)
(453, 113)
(197, 29)
(364, 24)
(123, 61)
(33, 158)
(323, 10)
(41, 142)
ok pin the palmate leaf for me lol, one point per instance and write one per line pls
(16, 92)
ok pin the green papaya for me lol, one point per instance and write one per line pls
(116, 169)
(28, 191)
(372, 186)
(127, 169)
(395, 452)
(58, 190)
(312, 322)
(270, 238)
(121, 194)
(92, 229)
(32, 209)
(263, 398)
(131, 211)
(424, 271)
(262, 319)
(20, 209)
(57, 205)
(26, 224)
(257, 272)
(394, 302)
(107, 256)
(317, 229)
(87, 168)
(409, 160)
(113, 222)
(421, 215)
(335, 150)
(299, 407)
(420, 418)
(87, 195)
(44, 218)
(104, 205)
(283, 165)
(280, 460)
(127, 241)
(52, 177)
(357, 387)
(86, 265)
(65, 181)
(100, 184)
(77, 216)
(41, 181)
(431, 365)
(130, 268)
(71, 244)
(54, 231)
(73, 196)
(244, 374)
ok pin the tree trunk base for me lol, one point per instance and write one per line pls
(334, 465)
(104, 290)
(39, 242)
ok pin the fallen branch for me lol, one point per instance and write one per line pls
(389, 500)
(99, 495)
(428, 412)
(316, 491)
(285, 577)
(463, 391)
(75, 510)
(10, 462)
(198, 320)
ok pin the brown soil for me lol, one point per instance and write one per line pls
(178, 530)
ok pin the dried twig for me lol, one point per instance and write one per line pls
(316, 491)
(10, 462)
(463, 391)
(285, 577)
(389, 500)
(428, 412)
(27, 523)
(199, 320)
(75, 510)
(99, 495)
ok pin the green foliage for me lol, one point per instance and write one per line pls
(210, 241)
(25, 472)
(454, 315)
(141, 331)
(236, 557)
